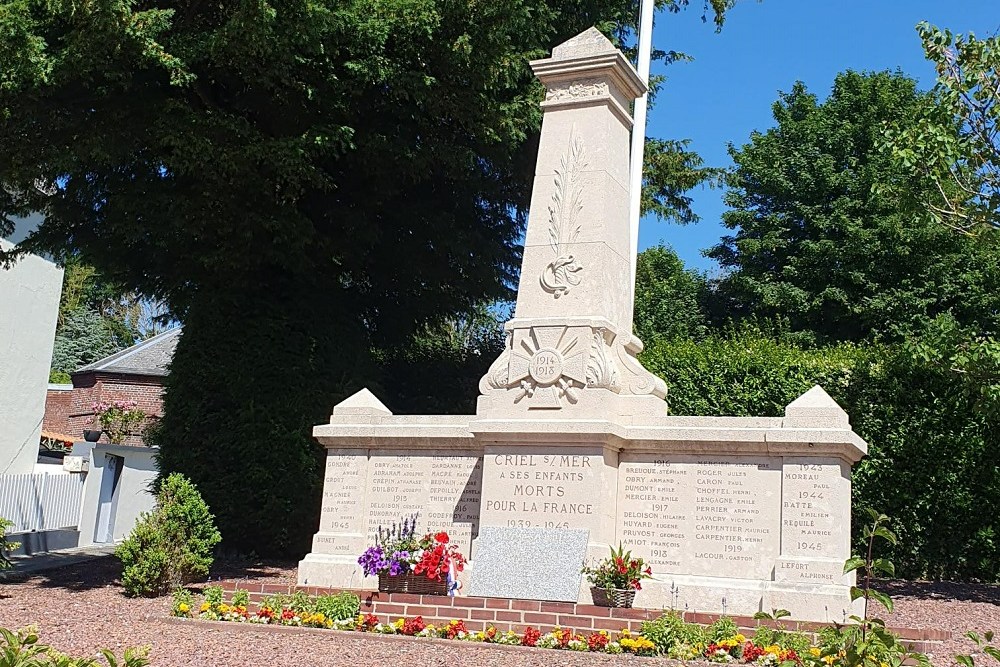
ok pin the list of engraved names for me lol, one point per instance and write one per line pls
(441, 488)
(698, 515)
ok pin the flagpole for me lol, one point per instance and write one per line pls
(639, 128)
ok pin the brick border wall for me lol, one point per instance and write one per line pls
(510, 614)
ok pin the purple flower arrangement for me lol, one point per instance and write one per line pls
(395, 550)
(373, 561)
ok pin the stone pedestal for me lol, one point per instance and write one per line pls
(735, 515)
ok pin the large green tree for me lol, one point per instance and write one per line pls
(301, 182)
(830, 232)
(955, 143)
(670, 300)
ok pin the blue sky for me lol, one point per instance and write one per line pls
(764, 48)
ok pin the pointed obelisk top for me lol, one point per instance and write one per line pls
(590, 42)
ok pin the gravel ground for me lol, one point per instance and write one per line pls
(81, 607)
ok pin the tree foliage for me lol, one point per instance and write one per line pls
(829, 230)
(98, 318)
(301, 183)
(954, 146)
(670, 300)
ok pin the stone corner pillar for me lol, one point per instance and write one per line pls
(570, 345)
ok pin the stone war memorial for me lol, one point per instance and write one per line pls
(572, 435)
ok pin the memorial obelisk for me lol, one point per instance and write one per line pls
(570, 347)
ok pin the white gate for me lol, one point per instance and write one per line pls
(41, 502)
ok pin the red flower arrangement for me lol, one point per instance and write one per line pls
(751, 652)
(437, 556)
(455, 627)
(412, 626)
(619, 571)
(530, 637)
(598, 641)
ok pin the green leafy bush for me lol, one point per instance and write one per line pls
(21, 649)
(6, 546)
(172, 545)
(670, 631)
(338, 607)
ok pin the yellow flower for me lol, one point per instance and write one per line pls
(183, 608)
(603, 633)
(740, 638)
(205, 606)
(829, 659)
(223, 608)
(814, 652)
(399, 622)
(883, 664)
(773, 649)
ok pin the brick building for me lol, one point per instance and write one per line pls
(136, 373)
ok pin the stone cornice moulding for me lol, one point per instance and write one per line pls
(755, 436)
(622, 82)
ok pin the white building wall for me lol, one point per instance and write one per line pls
(29, 307)
(130, 498)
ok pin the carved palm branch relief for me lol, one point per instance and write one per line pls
(559, 275)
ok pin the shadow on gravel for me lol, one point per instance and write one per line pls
(106, 571)
(245, 569)
(97, 573)
(943, 590)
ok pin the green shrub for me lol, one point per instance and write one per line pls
(6, 546)
(670, 630)
(785, 639)
(241, 598)
(338, 607)
(933, 459)
(214, 594)
(723, 628)
(172, 545)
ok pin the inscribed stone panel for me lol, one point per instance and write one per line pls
(440, 487)
(544, 487)
(703, 515)
(342, 520)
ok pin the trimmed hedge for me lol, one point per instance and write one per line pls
(933, 454)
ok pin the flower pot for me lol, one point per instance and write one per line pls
(91, 435)
(411, 583)
(616, 597)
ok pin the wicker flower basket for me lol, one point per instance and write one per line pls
(411, 583)
(618, 597)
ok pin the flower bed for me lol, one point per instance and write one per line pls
(667, 636)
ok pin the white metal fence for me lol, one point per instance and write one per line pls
(41, 502)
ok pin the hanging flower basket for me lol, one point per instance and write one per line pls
(616, 597)
(411, 583)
